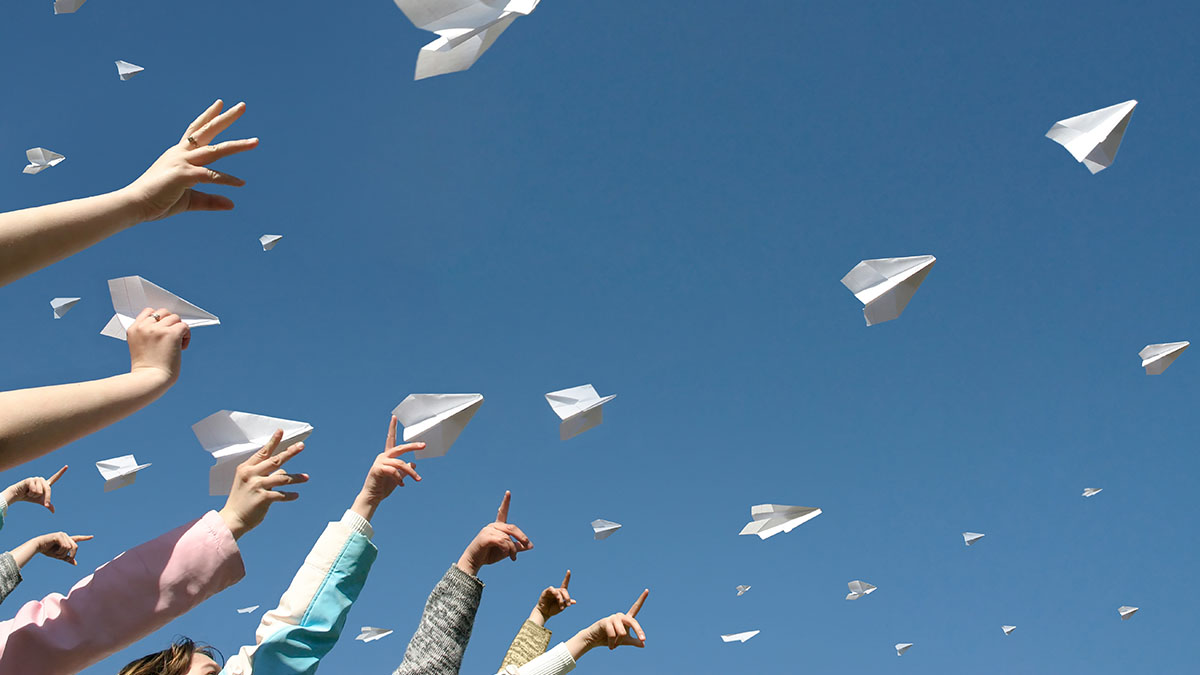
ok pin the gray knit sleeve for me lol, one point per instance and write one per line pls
(10, 575)
(438, 645)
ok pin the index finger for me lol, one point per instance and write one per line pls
(265, 452)
(637, 606)
(52, 479)
(82, 537)
(391, 437)
(566, 579)
(502, 513)
(272, 464)
(203, 119)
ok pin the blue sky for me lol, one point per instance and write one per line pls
(661, 203)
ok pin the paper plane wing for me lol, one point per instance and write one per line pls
(1156, 358)
(771, 519)
(1093, 138)
(436, 419)
(130, 295)
(62, 305)
(268, 241)
(886, 285)
(126, 70)
(67, 6)
(739, 637)
(603, 529)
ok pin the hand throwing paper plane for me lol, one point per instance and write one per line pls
(119, 471)
(1094, 138)
(1126, 611)
(742, 590)
(467, 28)
(971, 537)
(231, 436)
(902, 647)
(436, 420)
(67, 6)
(41, 159)
(1008, 629)
(247, 610)
(771, 519)
(579, 408)
(268, 241)
(370, 633)
(126, 70)
(858, 589)
(739, 637)
(62, 305)
(130, 295)
(1156, 358)
(604, 529)
(885, 285)
(1088, 492)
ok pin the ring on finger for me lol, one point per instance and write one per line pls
(157, 316)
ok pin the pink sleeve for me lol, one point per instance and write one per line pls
(130, 597)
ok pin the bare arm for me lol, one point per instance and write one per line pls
(31, 239)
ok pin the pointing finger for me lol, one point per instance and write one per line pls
(58, 474)
(637, 606)
(566, 579)
(502, 513)
(83, 537)
(391, 437)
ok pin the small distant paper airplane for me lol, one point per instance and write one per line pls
(268, 241)
(119, 471)
(41, 159)
(436, 420)
(1094, 138)
(126, 70)
(771, 519)
(1126, 611)
(971, 537)
(231, 437)
(62, 305)
(467, 28)
(1008, 629)
(67, 6)
(858, 589)
(579, 408)
(902, 647)
(740, 637)
(885, 285)
(742, 590)
(1156, 358)
(1088, 492)
(604, 529)
(130, 295)
(247, 610)
(370, 633)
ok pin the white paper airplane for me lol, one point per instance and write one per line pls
(1094, 138)
(603, 529)
(130, 295)
(739, 637)
(41, 159)
(1008, 629)
(268, 241)
(67, 6)
(858, 589)
(1126, 611)
(885, 285)
(231, 437)
(771, 519)
(370, 633)
(436, 420)
(579, 408)
(902, 647)
(742, 590)
(119, 471)
(247, 610)
(971, 537)
(467, 28)
(126, 70)
(1156, 358)
(62, 305)
(1088, 492)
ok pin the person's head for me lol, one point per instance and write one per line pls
(185, 657)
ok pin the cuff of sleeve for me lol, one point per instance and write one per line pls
(3, 510)
(540, 631)
(222, 540)
(554, 662)
(358, 524)
(10, 574)
(468, 583)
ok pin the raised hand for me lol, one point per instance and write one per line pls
(166, 187)
(34, 489)
(495, 542)
(552, 601)
(58, 545)
(386, 474)
(155, 344)
(617, 630)
(254, 485)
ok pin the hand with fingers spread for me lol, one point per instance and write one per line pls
(254, 486)
(58, 545)
(495, 542)
(156, 340)
(386, 474)
(552, 601)
(617, 630)
(35, 490)
(166, 187)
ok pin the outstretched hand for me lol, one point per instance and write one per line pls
(617, 630)
(387, 472)
(552, 601)
(57, 545)
(254, 485)
(34, 489)
(495, 542)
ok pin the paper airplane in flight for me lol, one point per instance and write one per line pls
(771, 519)
(1088, 492)
(742, 590)
(579, 408)
(126, 70)
(603, 529)
(885, 285)
(740, 637)
(268, 241)
(1126, 611)
(1008, 629)
(466, 29)
(971, 537)
(247, 610)
(231, 437)
(67, 6)
(371, 633)
(62, 305)
(859, 589)
(1094, 138)
(902, 647)
(41, 159)
(119, 471)
(1156, 358)
(130, 295)
(436, 420)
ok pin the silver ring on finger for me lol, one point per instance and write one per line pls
(157, 316)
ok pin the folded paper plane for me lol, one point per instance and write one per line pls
(126, 70)
(902, 647)
(466, 29)
(742, 590)
(885, 285)
(119, 471)
(371, 633)
(1094, 138)
(1008, 629)
(1126, 611)
(436, 420)
(1088, 492)
(579, 408)
(1156, 358)
(231, 437)
(771, 519)
(603, 529)
(130, 295)
(62, 305)
(41, 159)
(268, 241)
(971, 537)
(858, 589)
(739, 637)
(247, 610)
(67, 6)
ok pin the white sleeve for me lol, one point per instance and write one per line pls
(557, 661)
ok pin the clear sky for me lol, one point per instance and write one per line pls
(658, 198)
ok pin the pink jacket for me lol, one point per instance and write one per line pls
(130, 597)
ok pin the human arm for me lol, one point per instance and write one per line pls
(533, 639)
(58, 545)
(33, 238)
(614, 631)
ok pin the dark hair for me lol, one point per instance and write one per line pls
(174, 660)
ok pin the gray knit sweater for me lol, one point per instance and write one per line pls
(438, 645)
(10, 575)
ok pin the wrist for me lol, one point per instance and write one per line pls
(10, 496)
(235, 523)
(579, 644)
(467, 565)
(537, 618)
(127, 203)
(152, 378)
(364, 507)
(23, 553)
